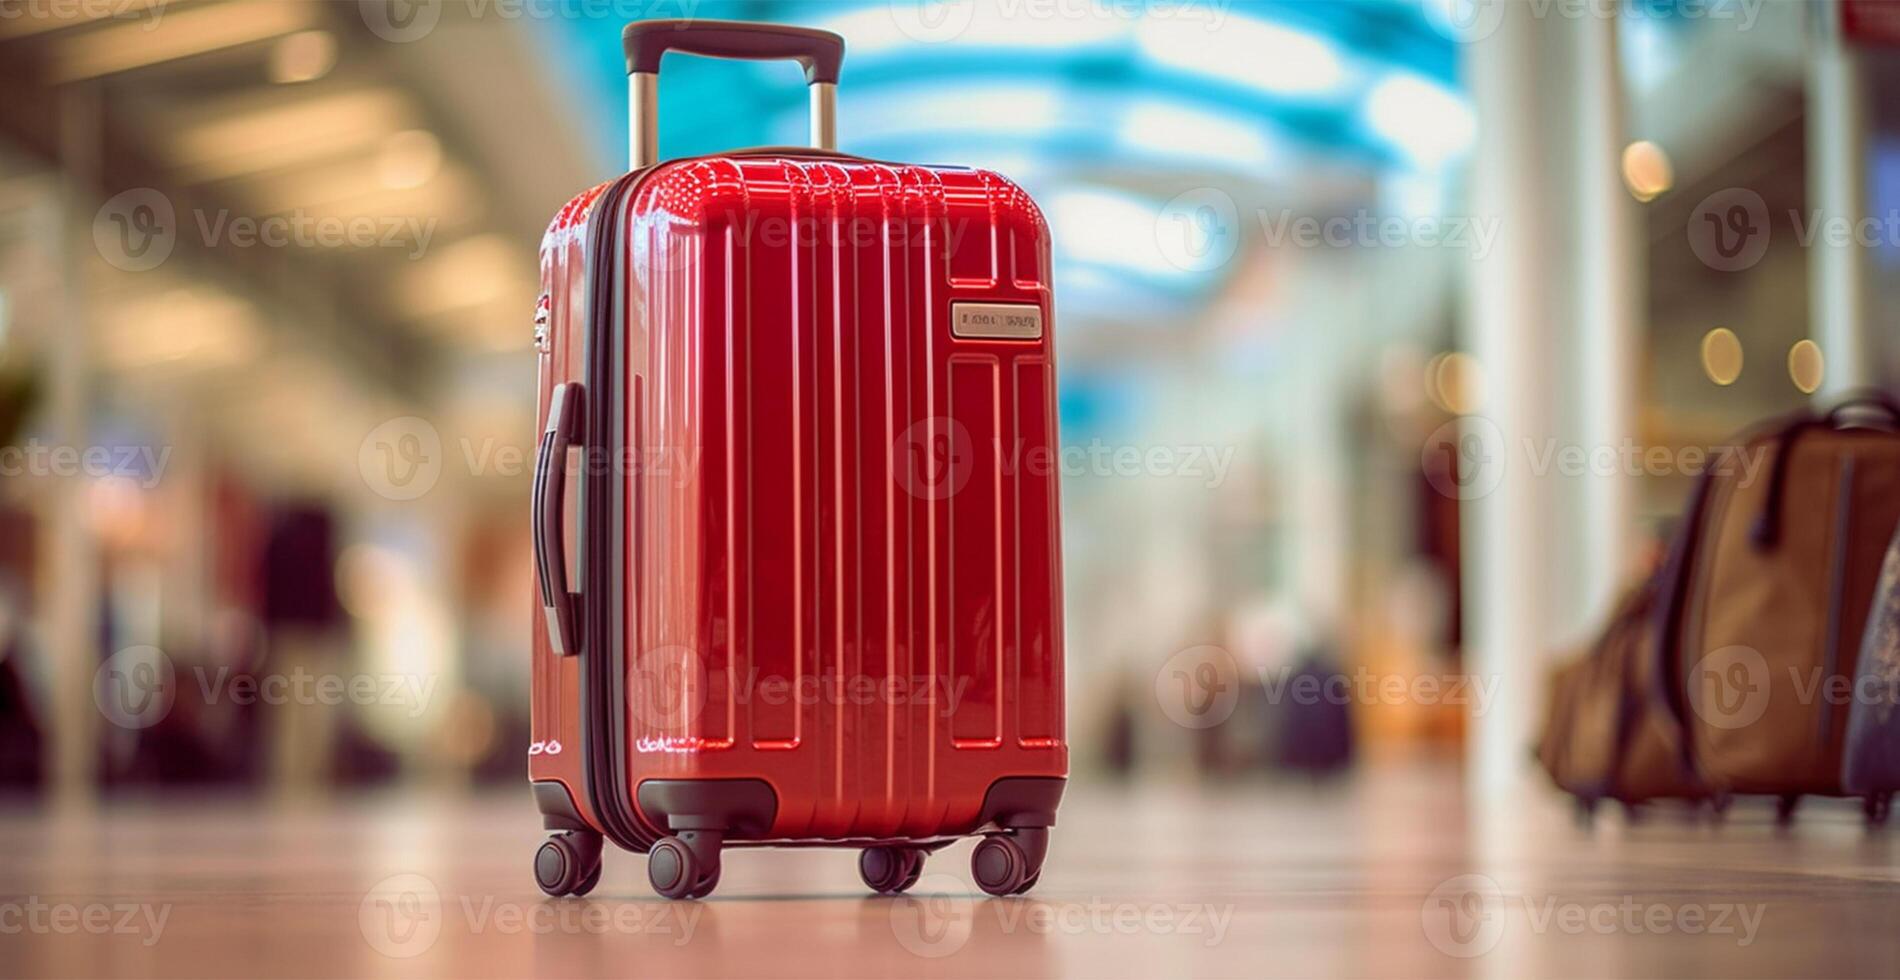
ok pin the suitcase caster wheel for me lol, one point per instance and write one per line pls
(1000, 867)
(677, 869)
(1877, 807)
(587, 884)
(568, 864)
(890, 870)
(1784, 809)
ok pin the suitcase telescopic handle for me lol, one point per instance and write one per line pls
(646, 42)
(550, 517)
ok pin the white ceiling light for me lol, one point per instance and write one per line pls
(1430, 124)
(1110, 228)
(981, 23)
(1171, 129)
(1270, 57)
(930, 110)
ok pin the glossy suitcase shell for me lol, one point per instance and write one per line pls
(813, 590)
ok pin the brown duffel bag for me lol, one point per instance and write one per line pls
(1766, 595)
(1608, 733)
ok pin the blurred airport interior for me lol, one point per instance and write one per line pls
(267, 270)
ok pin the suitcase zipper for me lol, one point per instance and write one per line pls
(602, 684)
(602, 694)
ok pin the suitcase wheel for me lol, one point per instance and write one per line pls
(1877, 806)
(587, 883)
(1784, 808)
(1011, 863)
(890, 870)
(686, 866)
(568, 863)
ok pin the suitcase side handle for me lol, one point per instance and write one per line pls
(550, 517)
(646, 42)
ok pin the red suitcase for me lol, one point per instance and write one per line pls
(804, 407)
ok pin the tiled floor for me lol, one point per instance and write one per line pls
(1390, 875)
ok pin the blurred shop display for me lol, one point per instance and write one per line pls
(302, 620)
(22, 724)
(22, 721)
(1742, 653)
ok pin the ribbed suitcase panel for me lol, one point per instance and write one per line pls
(848, 558)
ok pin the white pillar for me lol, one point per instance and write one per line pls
(1553, 320)
(1508, 333)
(72, 606)
(1608, 291)
(1837, 191)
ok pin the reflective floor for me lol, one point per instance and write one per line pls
(1391, 874)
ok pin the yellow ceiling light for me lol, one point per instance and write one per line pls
(193, 327)
(186, 33)
(1647, 171)
(345, 207)
(352, 187)
(303, 57)
(1806, 367)
(250, 136)
(1722, 356)
(39, 16)
(469, 273)
(409, 159)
